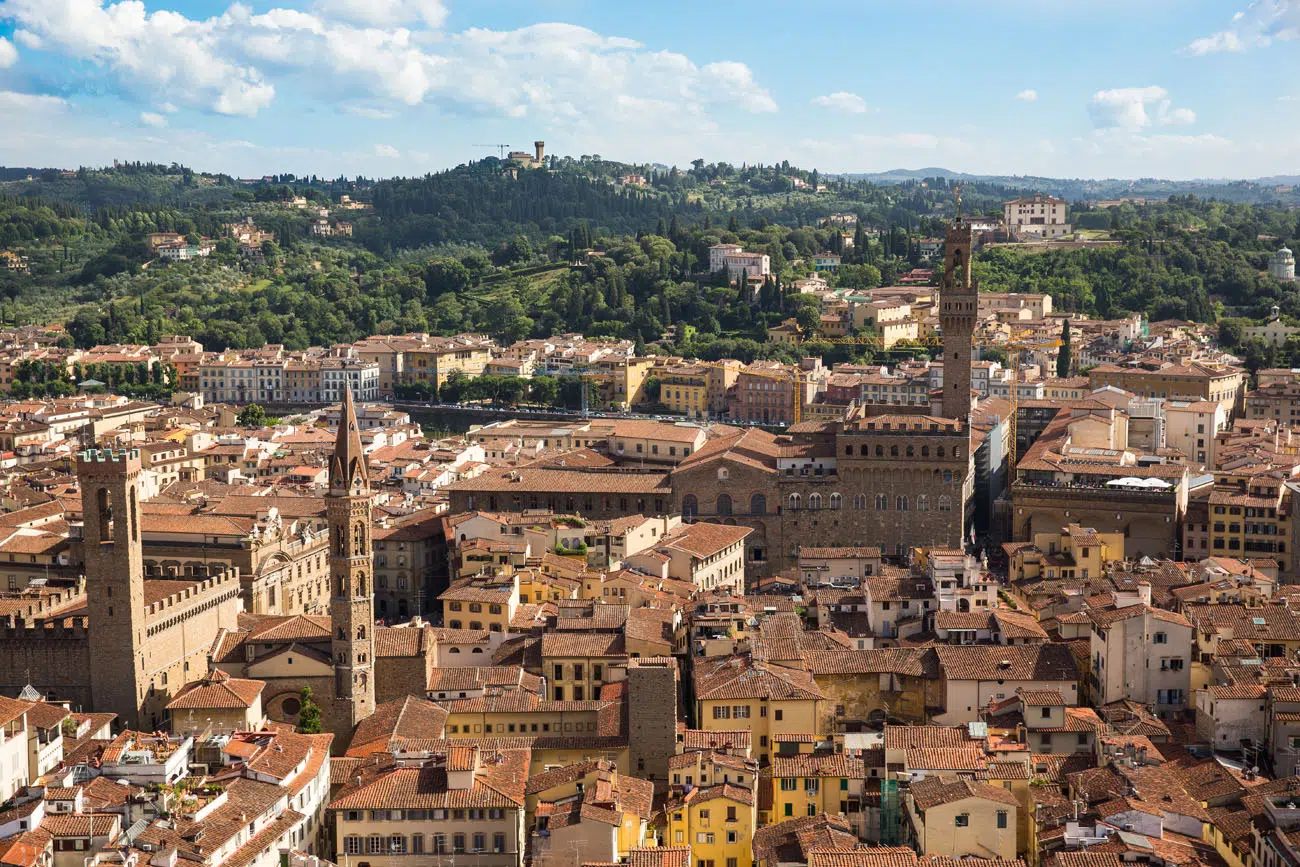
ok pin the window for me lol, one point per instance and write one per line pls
(690, 506)
(396, 845)
(789, 784)
(882, 502)
(789, 809)
(352, 845)
(731, 817)
(777, 715)
(374, 845)
(1159, 638)
(721, 712)
(724, 504)
(794, 502)
(480, 842)
(1002, 818)
(740, 711)
(498, 842)
(963, 820)
(417, 844)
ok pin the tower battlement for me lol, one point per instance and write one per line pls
(107, 460)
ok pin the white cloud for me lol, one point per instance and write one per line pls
(368, 112)
(842, 101)
(385, 13)
(363, 50)
(8, 53)
(1027, 95)
(12, 101)
(1259, 25)
(1131, 109)
(153, 119)
(387, 151)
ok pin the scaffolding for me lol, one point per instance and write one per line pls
(889, 818)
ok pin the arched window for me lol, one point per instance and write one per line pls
(880, 451)
(859, 501)
(836, 501)
(848, 451)
(882, 502)
(758, 505)
(814, 501)
(900, 502)
(925, 451)
(923, 502)
(724, 505)
(945, 504)
(893, 451)
(361, 633)
(862, 450)
(690, 507)
(940, 451)
(794, 502)
(911, 452)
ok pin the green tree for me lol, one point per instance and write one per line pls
(1063, 360)
(252, 416)
(309, 722)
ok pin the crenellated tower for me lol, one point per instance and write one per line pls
(958, 311)
(110, 498)
(352, 617)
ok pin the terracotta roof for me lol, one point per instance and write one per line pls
(926, 737)
(863, 856)
(933, 792)
(499, 783)
(825, 765)
(740, 677)
(218, 690)
(393, 722)
(1036, 662)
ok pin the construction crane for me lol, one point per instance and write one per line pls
(501, 148)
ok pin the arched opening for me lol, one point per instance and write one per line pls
(724, 504)
(758, 505)
(690, 507)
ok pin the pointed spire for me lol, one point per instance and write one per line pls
(348, 465)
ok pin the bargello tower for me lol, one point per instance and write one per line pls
(958, 310)
(352, 616)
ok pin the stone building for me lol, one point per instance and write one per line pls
(132, 641)
(334, 655)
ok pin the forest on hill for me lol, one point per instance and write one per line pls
(584, 244)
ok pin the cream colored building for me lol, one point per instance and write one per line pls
(963, 819)
(463, 806)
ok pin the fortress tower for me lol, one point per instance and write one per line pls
(110, 494)
(352, 617)
(958, 310)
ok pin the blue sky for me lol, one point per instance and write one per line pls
(1078, 88)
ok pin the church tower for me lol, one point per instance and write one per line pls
(352, 618)
(110, 492)
(958, 310)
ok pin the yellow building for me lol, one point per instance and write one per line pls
(481, 602)
(578, 664)
(806, 785)
(711, 767)
(518, 712)
(437, 359)
(736, 693)
(1074, 552)
(962, 819)
(717, 823)
(684, 389)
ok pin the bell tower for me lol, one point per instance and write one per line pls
(352, 617)
(110, 492)
(958, 310)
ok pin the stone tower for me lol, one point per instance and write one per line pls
(652, 722)
(958, 310)
(352, 603)
(110, 497)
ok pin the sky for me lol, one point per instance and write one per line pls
(1071, 88)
